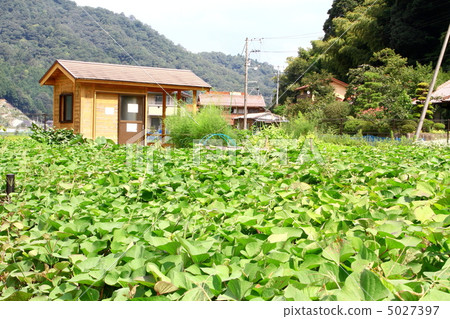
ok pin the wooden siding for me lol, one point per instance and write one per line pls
(87, 111)
(64, 85)
(106, 124)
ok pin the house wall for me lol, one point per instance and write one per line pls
(92, 101)
(107, 115)
(106, 102)
(87, 113)
(339, 90)
(65, 85)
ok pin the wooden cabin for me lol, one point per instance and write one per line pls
(110, 100)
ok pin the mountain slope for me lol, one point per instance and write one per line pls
(34, 33)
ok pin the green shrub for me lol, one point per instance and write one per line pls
(427, 125)
(336, 110)
(344, 139)
(408, 128)
(303, 105)
(381, 127)
(242, 135)
(410, 122)
(55, 136)
(352, 125)
(185, 127)
(439, 127)
(298, 126)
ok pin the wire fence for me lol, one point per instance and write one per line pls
(437, 129)
(432, 129)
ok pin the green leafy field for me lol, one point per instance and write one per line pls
(369, 223)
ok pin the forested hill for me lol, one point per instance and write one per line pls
(34, 33)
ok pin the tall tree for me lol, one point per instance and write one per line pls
(339, 8)
(417, 28)
(387, 82)
(357, 35)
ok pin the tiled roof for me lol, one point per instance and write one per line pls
(129, 73)
(442, 93)
(331, 80)
(228, 100)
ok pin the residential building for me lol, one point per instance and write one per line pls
(233, 103)
(339, 87)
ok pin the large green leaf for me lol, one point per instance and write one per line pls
(163, 287)
(372, 287)
(238, 289)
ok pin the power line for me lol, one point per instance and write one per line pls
(328, 48)
(279, 51)
(306, 35)
(131, 57)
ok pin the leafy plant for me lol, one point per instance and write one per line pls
(96, 222)
(185, 126)
(55, 136)
(299, 126)
(439, 126)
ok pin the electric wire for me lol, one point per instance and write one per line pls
(130, 56)
(327, 49)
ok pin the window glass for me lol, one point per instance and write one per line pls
(66, 108)
(131, 108)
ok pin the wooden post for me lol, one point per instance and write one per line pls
(448, 131)
(10, 183)
(433, 81)
(246, 83)
(163, 124)
(178, 102)
(194, 101)
(45, 122)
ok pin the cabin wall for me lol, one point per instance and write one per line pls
(64, 85)
(107, 115)
(87, 110)
(101, 102)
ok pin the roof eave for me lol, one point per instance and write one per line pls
(147, 84)
(55, 66)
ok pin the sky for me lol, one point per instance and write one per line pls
(277, 28)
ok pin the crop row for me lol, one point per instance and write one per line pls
(102, 222)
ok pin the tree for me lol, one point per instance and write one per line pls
(421, 96)
(387, 82)
(293, 75)
(357, 34)
(322, 94)
(339, 8)
(417, 28)
(35, 33)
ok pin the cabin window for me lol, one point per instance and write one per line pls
(131, 108)
(66, 108)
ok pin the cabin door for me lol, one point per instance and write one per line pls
(131, 119)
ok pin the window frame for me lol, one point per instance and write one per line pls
(63, 109)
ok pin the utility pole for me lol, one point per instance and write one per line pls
(247, 63)
(246, 83)
(278, 84)
(433, 82)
